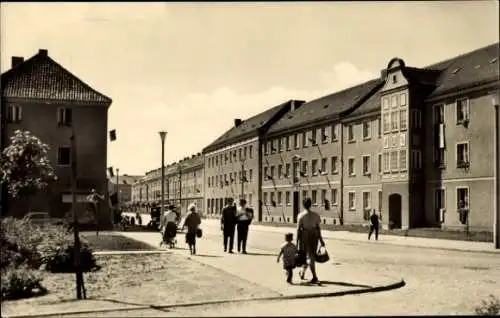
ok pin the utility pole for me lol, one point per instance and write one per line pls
(496, 194)
(180, 187)
(117, 188)
(163, 134)
(80, 288)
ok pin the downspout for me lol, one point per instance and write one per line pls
(341, 173)
(260, 141)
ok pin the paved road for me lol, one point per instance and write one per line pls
(438, 281)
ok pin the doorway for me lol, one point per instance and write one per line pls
(296, 206)
(395, 211)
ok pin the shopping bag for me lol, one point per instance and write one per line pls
(322, 255)
(199, 233)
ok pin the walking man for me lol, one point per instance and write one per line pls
(244, 217)
(228, 224)
(374, 225)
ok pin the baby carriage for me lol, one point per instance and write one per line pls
(169, 234)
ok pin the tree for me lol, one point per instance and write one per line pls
(25, 167)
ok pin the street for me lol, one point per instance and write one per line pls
(437, 281)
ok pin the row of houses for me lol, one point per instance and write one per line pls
(415, 145)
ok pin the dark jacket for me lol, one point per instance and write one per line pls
(228, 216)
(374, 219)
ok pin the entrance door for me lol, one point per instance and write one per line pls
(295, 206)
(395, 211)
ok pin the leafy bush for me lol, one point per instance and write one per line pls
(63, 260)
(20, 282)
(489, 307)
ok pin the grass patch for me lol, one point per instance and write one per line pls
(474, 236)
(113, 242)
(142, 279)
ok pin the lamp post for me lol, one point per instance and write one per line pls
(496, 169)
(163, 134)
(117, 189)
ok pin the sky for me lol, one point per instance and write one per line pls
(192, 68)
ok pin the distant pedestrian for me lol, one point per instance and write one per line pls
(168, 228)
(374, 225)
(289, 252)
(309, 235)
(228, 224)
(244, 217)
(192, 222)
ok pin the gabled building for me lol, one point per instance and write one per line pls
(41, 96)
(124, 188)
(414, 145)
(233, 161)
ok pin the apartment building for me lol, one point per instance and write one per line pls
(233, 161)
(41, 96)
(415, 144)
(124, 187)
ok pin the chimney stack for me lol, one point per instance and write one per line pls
(43, 52)
(237, 122)
(16, 60)
(383, 74)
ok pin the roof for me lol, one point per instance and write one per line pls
(327, 107)
(40, 77)
(125, 179)
(478, 66)
(249, 127)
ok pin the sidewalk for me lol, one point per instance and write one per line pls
(260, 267)
(385, 239)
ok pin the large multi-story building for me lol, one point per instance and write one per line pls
(233, 161)
(41, 96)
(124, 188)
(183, 185)
(415, 145)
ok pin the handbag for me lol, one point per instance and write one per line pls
(321, 255)
(199, 233)
(300, 259)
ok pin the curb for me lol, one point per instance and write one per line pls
(358, 291)
(106, 253)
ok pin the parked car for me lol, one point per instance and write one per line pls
(44, 218)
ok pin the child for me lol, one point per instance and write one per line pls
(289, 252)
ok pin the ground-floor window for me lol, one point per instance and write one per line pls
(352, 200)
(462, 198)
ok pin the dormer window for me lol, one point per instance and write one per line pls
(462, 111)
(394, 79)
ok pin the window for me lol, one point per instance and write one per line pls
(314, 167)
(314, 135)
(304, 139)
(462, 198)
(350, 133)
(265, 198)
(379, 163)
(64, 116)
(304, 167)
(334, 165)
(280, 145)
(417, 159)
(272, 172)
(272, 198)
(14, 113)
(439, 114)
(380, 200)
(439, 201)
(402, 100)
(240, 153)
(296, 141)
(280, 171)
(323, 165)
(366, 165)
(394, 161)
(350, 166)
(288, 143)
(314, 197)
(462, 110)
(367, 130)
(324, 136)
(250, 199)
(250, 174)
(323, 196)
(385, 102)
(335, 193)
(379, 127)
(439, 157)
(402, 119)
(287, 198)
(416, 119)
(366, 201)
(287, 170)
(64, 156)
(334, 136)
(265, 148)
(394, 101)
(387, 122)
(394, 120)
(245, 153)
(352, 201)
(462, 155)
(273, 146)
(280, 202)
(304, 194)
(250, 150)
(265, 173)
(402, 160)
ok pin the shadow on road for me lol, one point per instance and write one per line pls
(131, 303)
(206, 255)
(326, 282)
(261, 254)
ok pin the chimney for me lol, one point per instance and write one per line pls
(237, 122)
(383, 74)
(292, 105)
(16, 60)
(43, 52)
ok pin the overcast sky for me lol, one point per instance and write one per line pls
(191, 68)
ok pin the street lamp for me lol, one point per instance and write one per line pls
(163, 134)
(496, 169)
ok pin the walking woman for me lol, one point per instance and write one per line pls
(309, 235)
(244, 217)
(192, 222)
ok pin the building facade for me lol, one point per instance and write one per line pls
(40, 96)
(124, 188)
(233, 161)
